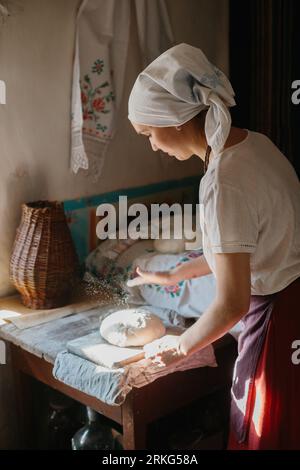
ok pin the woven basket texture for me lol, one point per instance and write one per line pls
(44, 265)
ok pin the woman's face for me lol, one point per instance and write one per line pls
(168, 139)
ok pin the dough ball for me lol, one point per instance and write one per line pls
(132, 327)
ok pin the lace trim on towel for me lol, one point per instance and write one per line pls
(78, 156)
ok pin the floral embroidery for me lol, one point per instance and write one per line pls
(176, 289)
(95, 101)
(173, 291)
(117, 275)
(98, 66)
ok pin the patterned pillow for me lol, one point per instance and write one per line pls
(190, 298)
(112, 260)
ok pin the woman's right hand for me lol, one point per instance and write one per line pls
(164, 278)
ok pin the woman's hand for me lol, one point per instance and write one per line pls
(164, 278)
(164, 351)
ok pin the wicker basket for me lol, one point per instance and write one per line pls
(44, 264)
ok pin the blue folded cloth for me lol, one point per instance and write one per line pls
(108, 385)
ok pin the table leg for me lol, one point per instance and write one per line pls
(134, 428)
(24, 386)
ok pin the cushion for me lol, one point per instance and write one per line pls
(190, 298)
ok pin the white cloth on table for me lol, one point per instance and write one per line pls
(96, 380)
(72, 368)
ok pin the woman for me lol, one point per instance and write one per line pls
(250, 221)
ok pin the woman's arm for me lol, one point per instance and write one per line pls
(232, 302)
(195, 268)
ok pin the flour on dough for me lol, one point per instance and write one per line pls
(132, 327)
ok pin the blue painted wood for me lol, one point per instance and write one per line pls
(113, 196)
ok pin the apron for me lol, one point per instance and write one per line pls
(265, 405)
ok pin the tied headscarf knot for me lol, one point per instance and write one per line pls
(178, 85)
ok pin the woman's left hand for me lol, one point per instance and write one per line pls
(164, 351)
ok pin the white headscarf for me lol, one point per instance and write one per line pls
(176, 86)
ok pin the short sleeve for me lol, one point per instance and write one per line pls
(230, 219)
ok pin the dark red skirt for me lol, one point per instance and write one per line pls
(265, 412)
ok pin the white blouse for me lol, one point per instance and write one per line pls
(250, 202)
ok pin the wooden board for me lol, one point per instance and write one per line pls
(96, 349)
(12, 310)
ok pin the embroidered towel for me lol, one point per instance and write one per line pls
(101, 46)
(93, 107)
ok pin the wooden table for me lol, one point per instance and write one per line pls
(142, 405)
